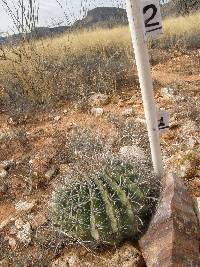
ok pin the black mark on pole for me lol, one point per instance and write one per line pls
(154, 9)
(159, 28)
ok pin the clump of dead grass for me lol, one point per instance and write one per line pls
(180, 33)
(73, 65)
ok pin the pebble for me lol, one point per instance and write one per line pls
(65, 111)
(196, 182)
(25, 206)
(192, 142)
(167, 92)
(126, 256)
(39, 220)
(7, 164)
(70, 261)
(5, 262)
(57, 118)
(3, 173)
(128, 112)
(50, 173)
(97, 112)
(23, 231)
(12, 242)
(99, 99)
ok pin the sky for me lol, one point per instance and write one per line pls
(51, 13)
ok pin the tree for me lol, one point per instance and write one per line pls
(24, 14)
(184, 7)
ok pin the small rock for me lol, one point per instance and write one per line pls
(12, 242)
(23, 231)
(65, 111)
(98, 100)
(70, 126)
(73, 260)
(5, 262)
(2, 136)
(192, 142)
(7, 164)
(12, 121)
(67, 261)
(196, 182)
(25, 206)
(39, 220)
(97, 112)
(131, 152)
(127, 256)
(128, 112)
(167, 92)
(51, 173)
(57, 118)
(3, 173)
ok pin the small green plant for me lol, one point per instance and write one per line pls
(110, 206)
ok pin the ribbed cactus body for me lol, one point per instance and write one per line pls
(106, 208)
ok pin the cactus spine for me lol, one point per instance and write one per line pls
(105, 208)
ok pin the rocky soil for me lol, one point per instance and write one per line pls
(37, 150)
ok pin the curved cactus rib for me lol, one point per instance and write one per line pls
(106, 208)
(134, 194)
(129, 186)
(93, 225)
(126, 218)
(100, 223)
(83, 214)
(60, 207)
(108, 205)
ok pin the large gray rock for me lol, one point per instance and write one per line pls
(172, 238)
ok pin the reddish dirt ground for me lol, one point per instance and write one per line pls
(39, 138)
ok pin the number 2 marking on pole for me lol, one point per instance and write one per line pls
(154, 8)
(152, 17)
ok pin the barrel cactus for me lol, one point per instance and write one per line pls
(108, 207)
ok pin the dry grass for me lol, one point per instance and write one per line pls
(73, 65)
(181, 32)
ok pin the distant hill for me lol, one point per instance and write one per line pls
(106, 17)
(103, 16)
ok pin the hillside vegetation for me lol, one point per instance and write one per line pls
(71, 66)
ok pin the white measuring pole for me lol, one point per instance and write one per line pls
(136, 23)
